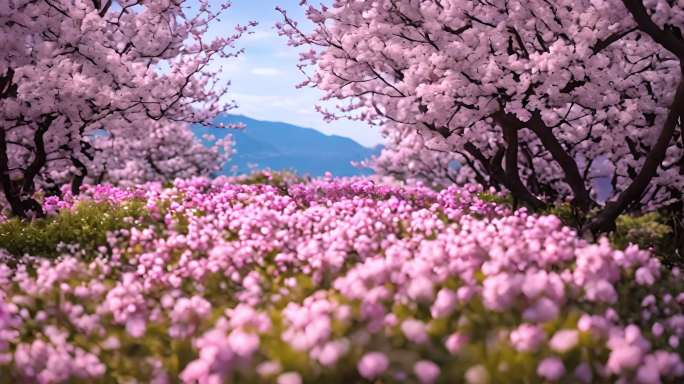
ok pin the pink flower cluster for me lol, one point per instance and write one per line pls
(353, 279)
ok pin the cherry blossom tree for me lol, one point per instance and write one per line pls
(163, 152)
(406, 157)
(76, 73)
(540, 98)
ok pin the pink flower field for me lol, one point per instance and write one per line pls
(336, 281)
(516, 214)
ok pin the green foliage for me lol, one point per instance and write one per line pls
(651, 230)
(562, 211)
(645, 231)
(497, 199)
(279, 179)
(659, 231)
(86, 225)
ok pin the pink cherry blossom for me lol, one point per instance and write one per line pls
(455, 342)
(551, 369)
(372, 365)
(289, 378)
(426, 371)
(527, 338)
(564, 340)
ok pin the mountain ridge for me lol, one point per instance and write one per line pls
(283, 146)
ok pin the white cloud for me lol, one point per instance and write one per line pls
(266, 71)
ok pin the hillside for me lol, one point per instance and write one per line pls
(281, 146)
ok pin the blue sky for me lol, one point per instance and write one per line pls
(263, 79)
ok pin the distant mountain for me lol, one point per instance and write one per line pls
(281, 146)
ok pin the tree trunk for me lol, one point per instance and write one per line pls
(20, 195)
(10, 191)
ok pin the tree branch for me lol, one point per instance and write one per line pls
(605, 43)
(573, 178)
(646, 24)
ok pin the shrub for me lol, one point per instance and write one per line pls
(86, 226)
(648, 231)
(279, 179)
